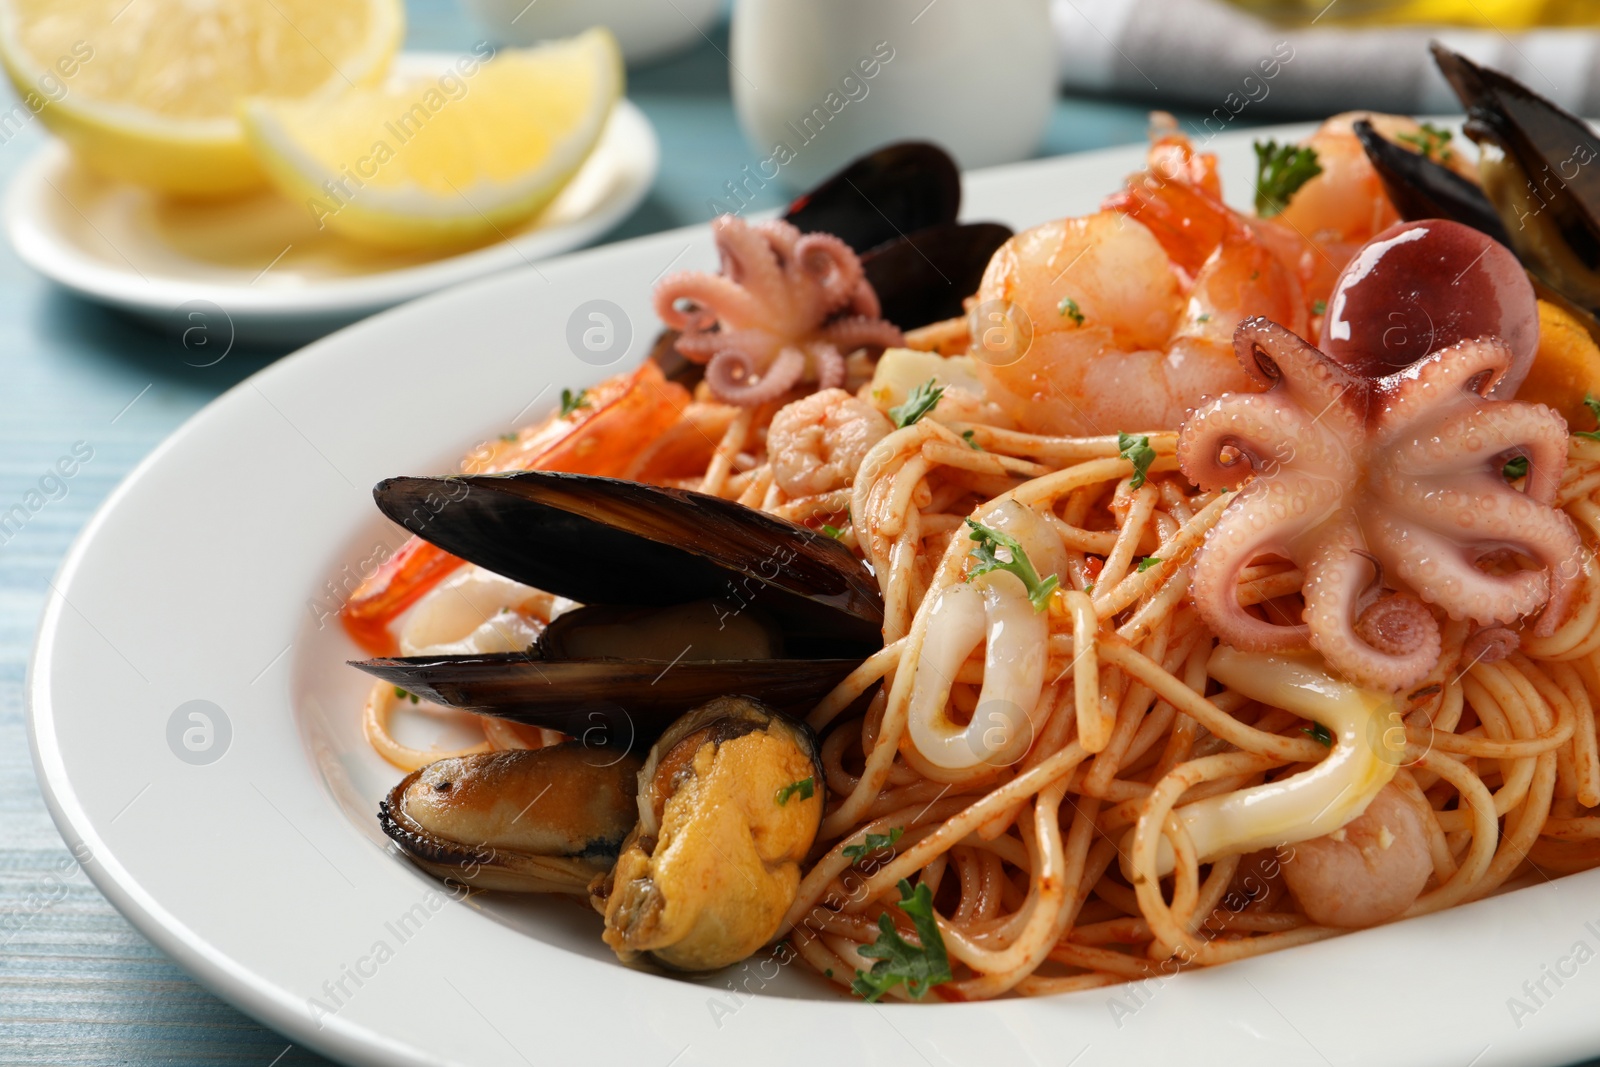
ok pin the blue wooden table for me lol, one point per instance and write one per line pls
(77, 984)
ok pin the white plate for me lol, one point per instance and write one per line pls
(264, 873)
(258, 268)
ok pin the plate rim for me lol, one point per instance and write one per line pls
(235, 981)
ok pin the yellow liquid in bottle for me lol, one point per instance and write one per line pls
(1504, 15)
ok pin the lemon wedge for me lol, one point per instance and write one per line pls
(446, 160)
(149, 90)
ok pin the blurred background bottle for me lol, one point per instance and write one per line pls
(1504, 15)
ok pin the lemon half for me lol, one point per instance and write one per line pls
(449, 159)
(149, 90)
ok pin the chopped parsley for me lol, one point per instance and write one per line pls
(874, 843)
(923, 399)
(1432, 141)
(832, 531)
(1203, 318)
(571, 401)
(1280, 172)
(1136, 450)
(1594, 409)
(401, 694)
(806, 787)
(1069, 308)
(920, 968)
(966, 435)
(508, 436)
(1148, 562)
(1320, 734)
(985, 552)
(1515, 468)
(1319, 307)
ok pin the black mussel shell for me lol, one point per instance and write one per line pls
(898, 189)
(924, 277)
(1419, 188)
(607, 541)
(675, 366)
(1546, 188)
(622, 703)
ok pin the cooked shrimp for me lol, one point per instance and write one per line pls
(1369, 871)
(1119, 341)
(1346, 202)
(1343, 207)
(817, 443)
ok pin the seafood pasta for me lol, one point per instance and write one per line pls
(1210, 584)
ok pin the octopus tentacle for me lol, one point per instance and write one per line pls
(733, 379)
(1388, 645)
(1467, 368)
(829, 363)
(863, 303)
(749, 258)
(1249, 530)
(857, 331)
(1228, 438)
(1274, 356)
(712, 298)
(758, 346)
(1428, 555)
(832, 263)
(1484, 435)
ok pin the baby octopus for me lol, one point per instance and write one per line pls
(786, 309)
(1366, 473)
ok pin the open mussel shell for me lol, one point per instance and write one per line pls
(608, 541)
(1420, 189)
(925, 276)
(621, 703)
(1541, 182)
(898, 189)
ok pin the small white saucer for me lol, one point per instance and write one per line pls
(262, 262)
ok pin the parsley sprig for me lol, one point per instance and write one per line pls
(571, 401)
(1432, 141)
(923, 399)
(1594, 409)
(1320, 734)
(919, 967)
(1280, 172)
(1515, 468)
(1136, 450)
(873, 843)
(806, 787)
(986, 552)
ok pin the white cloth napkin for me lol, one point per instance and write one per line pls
(1209, 56)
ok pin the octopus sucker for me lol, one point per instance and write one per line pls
(785, 310)
(1364, 465)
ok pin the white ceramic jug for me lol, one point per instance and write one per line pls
(818, 82)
